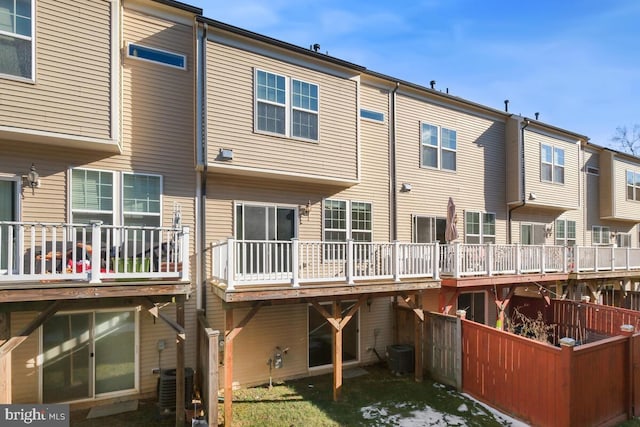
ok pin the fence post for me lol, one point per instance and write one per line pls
(456, 260)
(395, 255)
(295, 256)
(350, 261)
(565, 415)
(231, 263)
(436, 260)
(627, 331)
(96, 244)
(185, 274)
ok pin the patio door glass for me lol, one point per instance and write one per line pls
(321, 337)
(474, 304)
(258, 225)
(7, 213)
(88, 354)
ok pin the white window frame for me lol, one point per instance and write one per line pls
(152, 61)
(145, 214)
(439, 147)
(534, 230)
(561, 233)
(554, 164)
(117, 206)
(482, 236)
(349, 231)
(603, 234)
(623, 240)
(432, 225)
(288, 106)
(32, 39)
(634, 185)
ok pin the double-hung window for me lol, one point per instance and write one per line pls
(92, 196)
(286, 106)
(141, 199)
(345, 220)
(633, 185)
(16, 38)
(439, 147)
(565, 232)
(552, 164)
(480, 227)
(601, 235)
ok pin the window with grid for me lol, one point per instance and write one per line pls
(92, 196)
(439, 147)
(552, 164)
(601, 235)
(480, 227)
(286, 106)
(141, 199)
(16, 38)
(565, 232)
(346, 220)
(633, 186)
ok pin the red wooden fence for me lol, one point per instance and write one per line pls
(549, 386)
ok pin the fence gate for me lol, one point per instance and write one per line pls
(444, 355)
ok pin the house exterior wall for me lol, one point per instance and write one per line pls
(71, 93)
(478, 184)
(157, 137)
(551, 194)
(231, 67)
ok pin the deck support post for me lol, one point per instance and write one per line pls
(180, 386)
(337, 352)
(502, 306)
(418, 336)
(5, 361)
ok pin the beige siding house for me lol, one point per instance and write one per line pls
(101, 128)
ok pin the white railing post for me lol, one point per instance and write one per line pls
(395, 256)
(565, 259)
(542, 259)
(295, 264)
(627, 253)
(518, 258)
(576, 259)
(612, 259)
(436, 260)
(596, 256)
(185, 255)
(231, 263)
(456, 260)
(490, 248)
(96, 251)
(350, 262)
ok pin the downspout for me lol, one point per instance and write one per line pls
(201, 164)
(523, 193)
(393, 214)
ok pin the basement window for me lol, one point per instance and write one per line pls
(159, 56)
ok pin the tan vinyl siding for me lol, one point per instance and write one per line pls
(513, 150)
(552, 194)
(230, 117)
(625, 209)
(606, 187)
(477, 185)
(72, 91)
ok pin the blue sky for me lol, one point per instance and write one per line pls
(576, 62)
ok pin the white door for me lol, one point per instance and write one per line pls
(8, 212)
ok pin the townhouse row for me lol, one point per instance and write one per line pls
(296, 198)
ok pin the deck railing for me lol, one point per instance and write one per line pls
(242, 262)
(33, 251)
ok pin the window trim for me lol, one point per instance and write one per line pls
(145, 214)
(481, 219)
(566, 240)
(636, 188)
(288, 106)
(32, 39)
(439, 148)
(152, 61)
(433, 227)
(603, 230)
(370, 115)
(348, 219)
(553, 164)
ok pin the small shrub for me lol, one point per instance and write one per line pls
(535, 329)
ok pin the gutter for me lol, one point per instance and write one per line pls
(523, 192)
(393, 211)
(201, 163)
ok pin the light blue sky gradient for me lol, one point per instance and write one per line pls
(576, 62)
